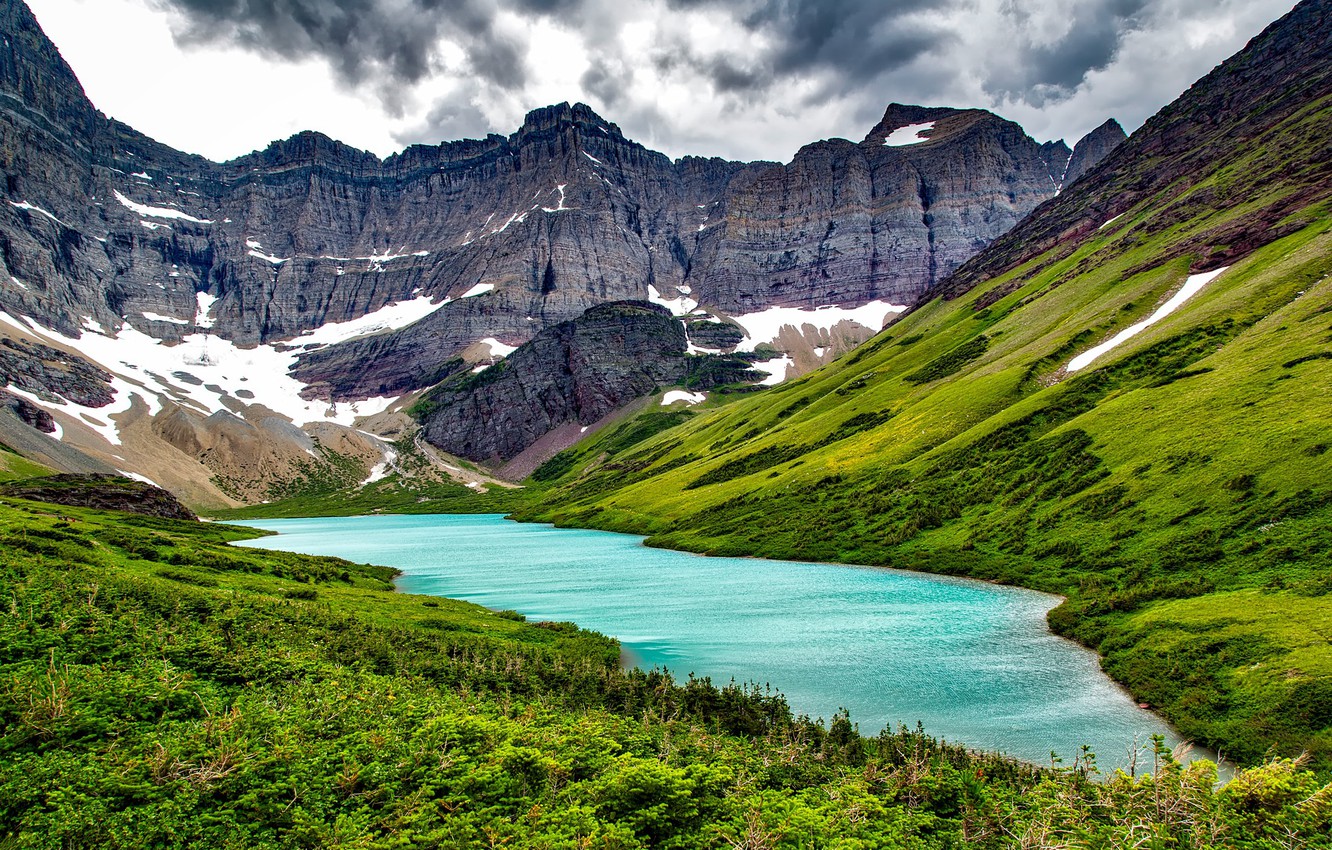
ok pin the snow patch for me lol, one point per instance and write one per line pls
(591, 157)
(1190, 288)
(1110, 222)
(560, 207)
(908, 135)
(205, 303)
(681, 306)
(776, 369)
(268, 258)
(381, 470)
(505, 226)
(497, 348)
(142, 175)
(672, 396)
(142, 479)
(158, 317)
(24, 205)
(386, 318)
(158, 212)
(765, 325)
(479, 289)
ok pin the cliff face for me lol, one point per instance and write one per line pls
(883, 219)
(573, 373)
(106, 493)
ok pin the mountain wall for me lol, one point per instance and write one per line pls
(313, 282)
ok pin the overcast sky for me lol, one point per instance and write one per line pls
(743, 79)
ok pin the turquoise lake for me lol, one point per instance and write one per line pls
(972, 661)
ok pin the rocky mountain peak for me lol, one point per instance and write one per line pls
(1092, 148)
(900, 115)
(562, 115)
(308, 147)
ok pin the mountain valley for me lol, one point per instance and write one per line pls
(1096, 372)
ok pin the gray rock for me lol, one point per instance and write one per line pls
(573, 373)
(1092, 148)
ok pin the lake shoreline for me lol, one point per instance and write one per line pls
(851, 659)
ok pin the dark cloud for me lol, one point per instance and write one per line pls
(386, 43)
(606, 80)
(858, 37)
(1037, 72)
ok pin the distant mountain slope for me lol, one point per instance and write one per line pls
(1123, 401)
(1244, 137)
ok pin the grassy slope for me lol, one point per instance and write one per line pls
(158, 688)
(14, 467)
(1178, 492)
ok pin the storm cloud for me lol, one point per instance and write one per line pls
(676, 72)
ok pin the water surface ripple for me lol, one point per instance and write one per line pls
(973, 661)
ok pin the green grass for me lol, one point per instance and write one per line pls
(159, 688)
(14, 467)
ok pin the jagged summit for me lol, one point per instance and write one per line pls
(305, 148)
(558, 115)
(1092, 148)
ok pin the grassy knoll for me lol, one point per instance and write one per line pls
(160, 688)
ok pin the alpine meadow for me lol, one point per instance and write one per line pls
(1101, 372)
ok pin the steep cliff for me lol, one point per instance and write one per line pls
(573, 373)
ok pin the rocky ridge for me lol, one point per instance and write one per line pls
(573, 373)
(1091, 149)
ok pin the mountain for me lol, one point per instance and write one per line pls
(1121, 400)
(313, 284)
(1091, 149)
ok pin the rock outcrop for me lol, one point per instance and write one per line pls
(103, 492)
(575, 372)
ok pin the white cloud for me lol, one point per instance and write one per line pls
(748, 79)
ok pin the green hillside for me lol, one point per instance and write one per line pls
(1178, 491)
(161, 689)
